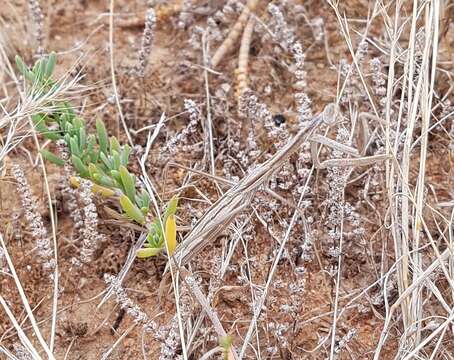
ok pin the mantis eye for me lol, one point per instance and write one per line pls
(279, 119)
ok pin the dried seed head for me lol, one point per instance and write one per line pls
(147, 42)
(35, 221)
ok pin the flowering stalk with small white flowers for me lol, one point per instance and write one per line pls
(37, 16)
(35, 221)
(183, 137)
(147, 42)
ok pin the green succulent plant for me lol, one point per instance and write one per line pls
(94, 156)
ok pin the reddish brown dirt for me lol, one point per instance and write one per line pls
(79, 30)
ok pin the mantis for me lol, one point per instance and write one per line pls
(240, 195)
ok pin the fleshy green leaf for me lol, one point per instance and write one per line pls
(107, 162)
(125, 155)
(128, 183)
(66, 118)
(131, 210)
(50, 64)
(78, 123)
(155, 237)
(24, 70)
(67, 138)
(103, 180)
(92, 170)
(74, 146)
(38, 121)
(114, 144)
(80, 166)
(115, 159)
(82, 138)
(171, 234)
(103, 191)
(171, 207)
(41, 69)
(116, 175)
(92, 152)
(50, 156)
(143, 199)
(148, 252)
(102, 135)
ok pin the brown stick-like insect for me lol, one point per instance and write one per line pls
(240, 195)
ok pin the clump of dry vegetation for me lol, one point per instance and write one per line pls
(226, 179)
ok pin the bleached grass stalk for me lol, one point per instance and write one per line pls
(410, 312)
(425, 104)
(30, 105)
(10, 141)
(418, 282)
(416, 102)
(25, 302)
(420, 344)
(106, 354)
(343, 23)
(54, 261)
(113, 77)
(412, 104)
(175, 275)
(249, 269)
(394, 31)
(209, 125)
(32, 352)
(7, 353)
(210, 353)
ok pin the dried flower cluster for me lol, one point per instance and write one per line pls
(69, 194)
(261, 116)
(337, 180)
(345, 340)
(3, 267)
(170, 335)
(229, 11)
(182, 138)
(378, 81)
(282, 33)
(353, 90)
(21, 352)
(147, 42)
(170, 341)
(91, 237)
(303, 101)
(34, 219)
(38, 17)
(128, 305)
(186, 16)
